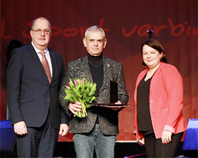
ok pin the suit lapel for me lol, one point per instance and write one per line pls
(106, 69)
(37, 62)
(155, 76)
(53, 64)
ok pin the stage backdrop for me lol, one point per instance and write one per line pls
(126, 23)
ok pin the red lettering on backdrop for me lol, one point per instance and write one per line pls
(157, 29)
(3, 29)
(188, 29)
(101, 25)
(55, 30)
(179, 27)
(176, 30)
(142, 31)
(82, 30)
(69, 32)
(23, 32)
(130, 32)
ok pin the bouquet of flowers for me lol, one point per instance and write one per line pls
(82, 91)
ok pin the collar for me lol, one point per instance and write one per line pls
(37, 50)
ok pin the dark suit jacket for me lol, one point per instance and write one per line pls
(30, 97)
(108, 119)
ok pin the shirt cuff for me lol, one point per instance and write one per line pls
(169, 128)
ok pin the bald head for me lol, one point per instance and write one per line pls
(40, 18)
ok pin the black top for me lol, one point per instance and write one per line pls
(96, 68)
(143, 111)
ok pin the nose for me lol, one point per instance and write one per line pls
(148, 55)
(96, 43)
(42, 32)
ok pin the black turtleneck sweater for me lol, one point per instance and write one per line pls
(96, 68)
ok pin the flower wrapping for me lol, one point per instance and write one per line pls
(83, 91)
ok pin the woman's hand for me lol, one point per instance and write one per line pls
(166, 137)
(141, 141)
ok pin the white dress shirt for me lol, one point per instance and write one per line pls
(47, 55)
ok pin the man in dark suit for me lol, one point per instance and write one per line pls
(100, 127)
(34, 77)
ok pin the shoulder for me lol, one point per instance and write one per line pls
(143, 72)
(53, 52)
(112, 62)
(77, 61)
(141, 75)
(169, 72)
(165, 67)
(21, 51)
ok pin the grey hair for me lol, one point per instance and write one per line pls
(42, 18)
(94, 28)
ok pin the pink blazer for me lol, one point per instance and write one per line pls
(165, 100)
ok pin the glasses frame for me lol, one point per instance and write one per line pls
(39, 31)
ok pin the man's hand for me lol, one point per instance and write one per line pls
(64, 128)
(73, 107)
(166, 137)
(20, 128)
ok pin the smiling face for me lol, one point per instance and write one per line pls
(40, 39)
(94, 42)
(151, 57)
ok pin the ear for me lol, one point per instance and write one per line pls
(105, 43)
(31, 33)
(161, 55)
(84, 42)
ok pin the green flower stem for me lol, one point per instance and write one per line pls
(82, 113)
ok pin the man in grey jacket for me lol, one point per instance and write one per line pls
(100, 127)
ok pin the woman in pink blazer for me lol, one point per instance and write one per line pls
(159, 123)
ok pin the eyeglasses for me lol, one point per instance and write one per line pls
(39, 31)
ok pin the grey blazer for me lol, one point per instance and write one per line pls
(108, 119)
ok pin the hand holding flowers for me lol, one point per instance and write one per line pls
(74, 107)
(82, 91)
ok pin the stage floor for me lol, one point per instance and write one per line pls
(122, 150)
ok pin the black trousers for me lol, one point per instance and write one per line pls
(155, 149)
(39, 142)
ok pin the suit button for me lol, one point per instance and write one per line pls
(48, 100)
